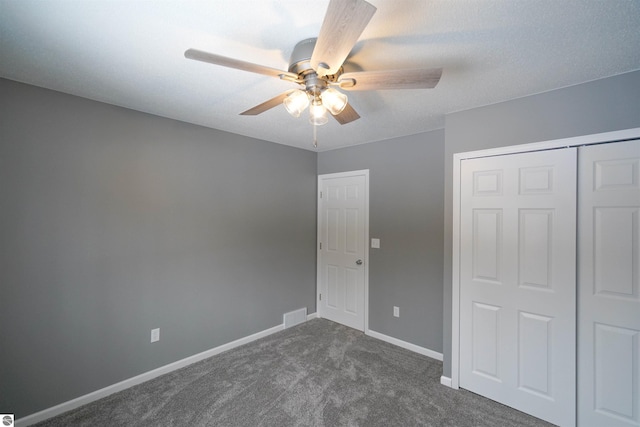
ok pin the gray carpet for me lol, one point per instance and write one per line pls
(316, 374)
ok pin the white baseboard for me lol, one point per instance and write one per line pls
(114, 388)
(445, 381)
(312, 316)
(406, 345)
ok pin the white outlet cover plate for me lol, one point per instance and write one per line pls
(155, 335)
(375, 243)
(396, 311)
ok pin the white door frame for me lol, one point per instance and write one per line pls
(365, 173)
(616, 136)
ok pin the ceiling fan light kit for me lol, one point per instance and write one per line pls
(334, 100)
(327, 100)
(317, 113)
(316, 65)
(296, 102)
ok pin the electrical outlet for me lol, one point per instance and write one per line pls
(375, 243)
(155, 335)
(396, 311)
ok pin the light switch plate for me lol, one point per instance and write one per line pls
(375, 243)
(155, 335)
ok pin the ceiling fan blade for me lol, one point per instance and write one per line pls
(267, 105)
(391, 79)
(343, 23)
(212, 58)
(347, 115)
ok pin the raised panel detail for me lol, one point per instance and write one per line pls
(352, 192)
(616, 368)
(534, 247)
(333, 193)
(616, 239)
(333, 230)
(332, 285)
(487, 183)
(351, 287)
(534, 353)
(536, 180)
(485, 340)
(616, 174)
(487, 244)
(351, 235)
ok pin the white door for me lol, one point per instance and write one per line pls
(609, 285)
(517, 281)
(342, 254)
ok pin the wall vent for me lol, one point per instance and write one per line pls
(295, 317)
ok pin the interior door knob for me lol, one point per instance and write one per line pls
(359, 262)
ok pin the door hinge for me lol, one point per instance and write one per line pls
(320, 245)
(320, 297)
(321, 194)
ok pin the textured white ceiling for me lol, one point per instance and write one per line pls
(131, 53)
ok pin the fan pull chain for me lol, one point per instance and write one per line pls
(315, 136)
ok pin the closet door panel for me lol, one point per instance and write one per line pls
(609, 285)
(517, 281)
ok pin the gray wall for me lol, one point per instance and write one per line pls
(599, 106)
(114, 222)
(406, 213)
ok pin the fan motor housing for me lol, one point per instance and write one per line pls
(301, 56)
(300, 61)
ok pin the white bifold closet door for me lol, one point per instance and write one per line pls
(518, 281)
(609, 285)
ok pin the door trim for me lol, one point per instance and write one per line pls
(606, 137)
(365, 173)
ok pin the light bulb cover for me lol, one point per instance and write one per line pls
(296, 102)
(317, 114)
(334, 101)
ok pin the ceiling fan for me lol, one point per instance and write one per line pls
(316, 66)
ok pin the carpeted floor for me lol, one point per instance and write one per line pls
(316, 374)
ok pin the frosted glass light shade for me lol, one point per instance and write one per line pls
(334, 101)
(317, 114)
(296, 102)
